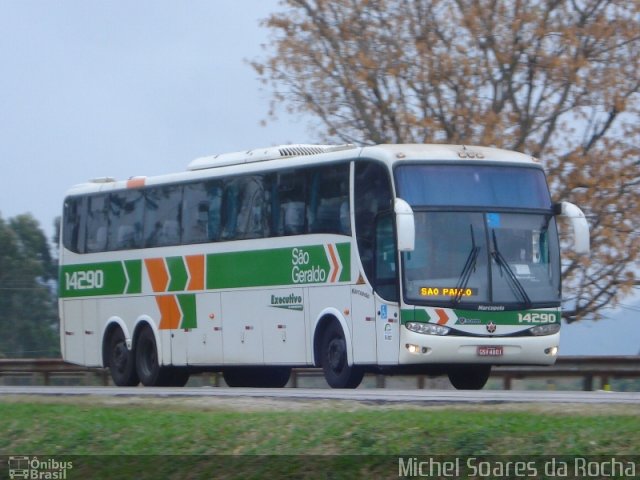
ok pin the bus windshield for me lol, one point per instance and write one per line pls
(478, 239)
(476, 258)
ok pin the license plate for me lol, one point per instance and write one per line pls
(490, 351)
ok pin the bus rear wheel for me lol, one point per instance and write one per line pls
(469, 377)
(337, 371)
(121, 361)
(148, 365)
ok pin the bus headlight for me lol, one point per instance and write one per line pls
(427, 328)
(548, 329)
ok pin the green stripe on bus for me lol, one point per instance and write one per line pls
(134, 272)
(177, 273)
(280, 266)
(105, 278)
(344, 251)
(188, 306)
(511, 317)
(315, 264)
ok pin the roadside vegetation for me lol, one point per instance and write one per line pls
(301, 434)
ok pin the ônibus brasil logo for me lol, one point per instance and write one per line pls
(34, 468)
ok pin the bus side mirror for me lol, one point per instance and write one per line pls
(579, 224)
(405, 225)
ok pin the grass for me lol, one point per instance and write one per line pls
(187, 428)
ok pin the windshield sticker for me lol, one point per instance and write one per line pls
(387, 332)
(493, 220)
(522, 270)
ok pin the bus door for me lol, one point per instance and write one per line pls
(364, 323)
(387, 292)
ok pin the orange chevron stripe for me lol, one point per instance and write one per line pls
(195, 265)
(442, 316)
(157, 274)
(170, 314)
(336, 265)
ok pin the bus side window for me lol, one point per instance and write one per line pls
(328, 209)
(292, 205)
(126, 212)
(73, 224)
(97, 222)
(372, 197)
(201, 207)
(250, 207)
(229, 209)
(385, 258)
(162, 216)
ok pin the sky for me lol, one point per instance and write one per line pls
(119, 88)
(617, 333)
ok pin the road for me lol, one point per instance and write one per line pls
(381, 396)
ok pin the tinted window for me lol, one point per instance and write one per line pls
(72, 237)
(162, 216)
(97, 223)
(289, 209)
(328, 200)
(244, 208)
(125, 220)
(289, 202)
(201, 212)
(475, 185)
(372, 197)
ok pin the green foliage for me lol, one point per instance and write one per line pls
(78, 427)
(28, 313)
(147, 438)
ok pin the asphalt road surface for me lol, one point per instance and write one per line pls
(382, 396)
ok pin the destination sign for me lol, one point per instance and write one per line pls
(448, 292)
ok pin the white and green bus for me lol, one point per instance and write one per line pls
(398, 259)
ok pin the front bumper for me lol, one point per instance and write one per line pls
(416, 348)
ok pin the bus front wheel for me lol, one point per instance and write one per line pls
(337, 371)
(121, 361)
(469, 377)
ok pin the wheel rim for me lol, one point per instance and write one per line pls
(120, 356)
(148, 359)
(336, 355)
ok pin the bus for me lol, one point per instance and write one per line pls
(395, 259)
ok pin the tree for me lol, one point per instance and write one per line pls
(558, 79)
(28, 315)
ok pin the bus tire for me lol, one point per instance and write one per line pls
(333, 351)
(469, 377)
(150, 372)
(121, 361)
(174, 376)
(276, 377)
(236, 377)
(257, 377)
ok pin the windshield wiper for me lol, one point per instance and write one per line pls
(469, 267)
(502, 262)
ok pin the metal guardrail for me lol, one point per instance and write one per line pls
(42, 371)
